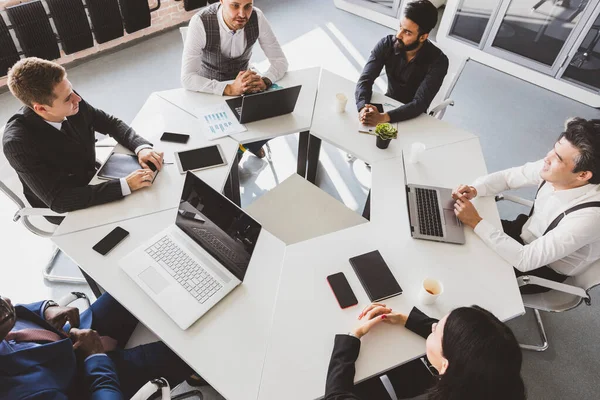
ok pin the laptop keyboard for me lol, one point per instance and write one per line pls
(216, 244)
(199, 283)
(430, 221)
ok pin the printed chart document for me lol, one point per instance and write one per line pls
(218, 121)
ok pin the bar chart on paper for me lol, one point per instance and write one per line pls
(219, 121)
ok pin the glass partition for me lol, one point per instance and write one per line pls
(584, 67)
(538, 30)
(472, 18)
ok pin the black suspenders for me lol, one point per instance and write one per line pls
(559, 218)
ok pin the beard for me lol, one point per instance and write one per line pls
(399, 45)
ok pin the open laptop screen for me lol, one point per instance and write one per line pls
(217, 225)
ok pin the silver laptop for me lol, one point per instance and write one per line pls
(190, 266)
(431, 213)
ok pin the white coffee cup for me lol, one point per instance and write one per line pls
(340, 103)
(430, 290)
(416, 150)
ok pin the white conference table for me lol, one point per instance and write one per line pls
(298, 121)
(307, 317)
(228, 344)
(244, 346)
(341, 130)
(172, 111)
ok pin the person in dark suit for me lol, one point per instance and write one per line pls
(52, 352)
(50, 142)
(474, 355)
(414, 66)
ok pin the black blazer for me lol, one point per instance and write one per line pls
(55, 168)
(340, 376)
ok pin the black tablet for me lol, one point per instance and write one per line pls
(200, 158)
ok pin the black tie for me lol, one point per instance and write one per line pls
(68, 130)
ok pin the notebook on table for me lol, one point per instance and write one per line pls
(375, 276)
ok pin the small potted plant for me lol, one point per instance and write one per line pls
(385, 132)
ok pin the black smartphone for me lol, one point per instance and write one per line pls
(379, 107)
(110, 241)
(342, 290)
(175, 137)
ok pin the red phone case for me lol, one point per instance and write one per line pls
(338, 300)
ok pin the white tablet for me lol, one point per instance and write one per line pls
(200, 158)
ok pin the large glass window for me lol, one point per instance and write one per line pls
(585, 64)
(472, 18)
(537, 29)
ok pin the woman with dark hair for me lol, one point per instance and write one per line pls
(475, 355)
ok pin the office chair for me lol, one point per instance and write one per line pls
(10, 186)
(8, 50)
(105, 16)
(183, 391)
(71, 24)
(33, 30)
(442, 99)
(562, 296)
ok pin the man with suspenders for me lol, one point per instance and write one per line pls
(561, 235)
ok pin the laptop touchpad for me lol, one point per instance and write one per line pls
(450, 217)
(153, 279)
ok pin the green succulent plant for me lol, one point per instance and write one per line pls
(386, 131)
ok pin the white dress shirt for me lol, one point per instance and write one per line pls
(569, 248)
(233, 44)
(125, 189)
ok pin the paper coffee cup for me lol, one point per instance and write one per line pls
(430, 290)
(416, 150)
(340, 102)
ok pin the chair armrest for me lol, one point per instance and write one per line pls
(440, 108)
(71, 297)
(151, 388)
(514, 199)
(44, 212)
(562, 287)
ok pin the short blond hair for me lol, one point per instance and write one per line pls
(32, 80)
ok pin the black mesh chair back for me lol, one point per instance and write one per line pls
(136, 14)
(106, 19)
(33, 29)
(193, 4)
(72, 24)
(8, 51)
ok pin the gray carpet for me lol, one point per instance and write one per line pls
(519, 122)
(516, 122)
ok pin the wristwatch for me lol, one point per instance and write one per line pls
(267, 82)
(49, 303)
